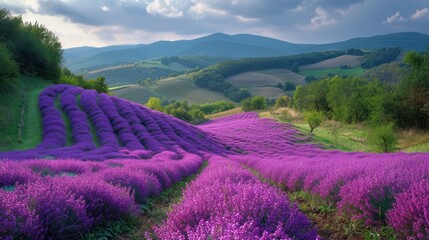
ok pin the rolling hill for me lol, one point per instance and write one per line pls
(229, 46)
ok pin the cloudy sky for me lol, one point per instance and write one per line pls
(108, 22)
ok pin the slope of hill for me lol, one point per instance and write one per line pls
(349, 60)
(140, 153)
(230, 46)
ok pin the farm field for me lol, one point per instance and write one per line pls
(263, 78)
(349, 60)
(335, 71)
(122, 155)
(178, 88)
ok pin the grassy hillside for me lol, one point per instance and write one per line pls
(179, 88)
(135, 93)
(350, 60)
(20, 121)
(263, 78)
(318, 73)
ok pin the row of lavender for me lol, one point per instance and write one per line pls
(378, 188)
(123, 129)
(228, 202)
(64, 199)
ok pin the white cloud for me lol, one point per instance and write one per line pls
(105, 8)
(167, 8)
(321, 19)
(245, 19)
(394, 18)
(420, 13)
(201, 10)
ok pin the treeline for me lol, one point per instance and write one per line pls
(354, 99)
(380, 56)
(31, 49)
(213, 77)
(192, 113)
(28, 49)
(98, 84)
(190, 63)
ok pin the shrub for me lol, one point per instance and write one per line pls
(314, 119)
(383, 138)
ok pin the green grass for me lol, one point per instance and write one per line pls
(156, 209)
(20, 119)
(339, 136)
(331, 225)
(336, 71)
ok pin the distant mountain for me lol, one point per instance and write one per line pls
(228, 46)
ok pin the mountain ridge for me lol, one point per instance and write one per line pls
(229, 46)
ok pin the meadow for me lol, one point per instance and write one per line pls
(102, 159)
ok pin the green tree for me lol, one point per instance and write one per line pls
(246, 104)
(155, 104)
(197, 116)
(258, 103)
(282, 101)
(8, 69)
(412, 96)
(383, 138)
(314, 119)
(289, 86)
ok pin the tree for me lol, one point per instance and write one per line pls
(197, 116)
(282, 101)
(289, 86)
(383, 138)
(154, 103)
(314, 119)
(258, 103)
(8, 69)
(246, 104)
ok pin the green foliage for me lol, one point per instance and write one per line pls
(97, 84)
(36, 50)
(314, 119)
(289, 86)
(155, 104)
(383, 138)
(282, 101)
(254, 103)
(314, 74)
(8, 70)
(412, 95)
(190, 113)
(215, 107)
(380, 56)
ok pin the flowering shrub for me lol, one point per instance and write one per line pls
(226, 201)
(410, 213)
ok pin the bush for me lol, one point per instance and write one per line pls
(383, 138)
(255, 103)
(314, 119)
(8, 70)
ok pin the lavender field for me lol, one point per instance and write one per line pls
(102, 157)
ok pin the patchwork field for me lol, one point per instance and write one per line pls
(121, 155)
(265, 78)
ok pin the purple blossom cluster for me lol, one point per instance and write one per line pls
(64, 199)
(228, 202)
(122, 129)
(376, 188)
